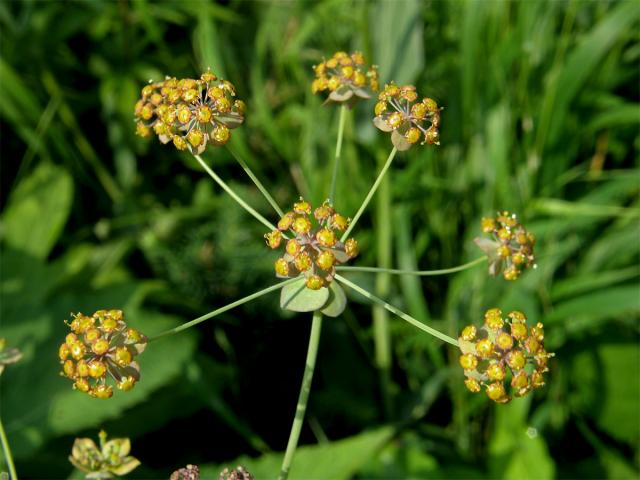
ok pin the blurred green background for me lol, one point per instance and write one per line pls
(541, 117)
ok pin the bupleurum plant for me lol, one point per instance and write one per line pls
(101, 347)
(504, 356)
(109, 459)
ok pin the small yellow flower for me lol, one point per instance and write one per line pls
(504, 352)
(102, 353)
(397, 113)
(346, 78)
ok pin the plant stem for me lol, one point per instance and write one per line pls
(234, 195)
(257, 182)
(303, 398)
(336, 162)
(381, 334)
(373, 189)
(419, 273)
(7, 453)
(220, 310)
(397, 311)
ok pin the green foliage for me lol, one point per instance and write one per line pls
(540, 117)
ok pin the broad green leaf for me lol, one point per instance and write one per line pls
(517, 451)
(298, 298)
(619, 414)
(335, 460)
(337, 301)
(607, 303)
(37, 210)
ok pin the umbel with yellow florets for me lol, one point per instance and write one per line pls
(503, 351)
(188, 112)
(346, 78)
(101, 347)
(510, 250)
(315, 250)
(109, 460)
(399, 112)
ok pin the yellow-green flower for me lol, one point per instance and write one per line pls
(189, 113)
(99, 348)
(315, 250)
(346, 78)
(504, 351)
(510, 248)
(109, 460)
(398, 111)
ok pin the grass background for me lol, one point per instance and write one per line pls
(541, 117)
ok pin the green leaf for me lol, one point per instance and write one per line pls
(336, 460)
(298, 298)
(337, 301)
(37, 210)
(518, 452)
(619, 414)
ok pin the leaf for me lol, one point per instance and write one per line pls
(342, 94)
(37, 210)
(381, 124)
(619, 414)
(337, 301)
(518, 452)
(298, 298)
(399, 141)
(336, 460)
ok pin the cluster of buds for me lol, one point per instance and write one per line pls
(99, 347)
(315, 249)
(503, 350)
(190, 472)
(346, 77)
(190, 113)
(399, 112)
(238, 473)
(511, 249)
(110, 460)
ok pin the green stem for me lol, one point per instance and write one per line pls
(303, 398)
(7, 453)
(234, 195)
(381, 333)
(373, 189)
(336, 162)
(220, 310)
(257, 182)
(398, 312)
(419, 273)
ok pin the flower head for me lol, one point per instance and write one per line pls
(398, 111)
(188, 112)
(504, 351)
(111, 459)
(315, 249)
(8, 355)
(510, 250)
(346, 78)
(238, 473)
(100, 347)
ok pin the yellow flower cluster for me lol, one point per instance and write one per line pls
(190, 113)
(99, 347)
(511, 248)
(315, 249)
(504, 350)
(399, 112)
(346, 77)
